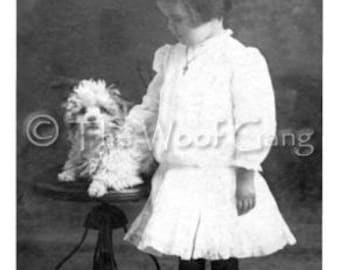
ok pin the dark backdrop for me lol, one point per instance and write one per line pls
(110, 39)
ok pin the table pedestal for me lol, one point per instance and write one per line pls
(103, 218)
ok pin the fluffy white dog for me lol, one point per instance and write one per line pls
(110, 156)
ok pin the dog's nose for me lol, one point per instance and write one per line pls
(91, 118)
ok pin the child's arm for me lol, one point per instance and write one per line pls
(254, 120)
(143, 117)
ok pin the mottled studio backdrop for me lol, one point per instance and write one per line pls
(111, 39)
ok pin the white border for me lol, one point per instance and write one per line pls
(331, 136)
(331, 165)
(8, 134)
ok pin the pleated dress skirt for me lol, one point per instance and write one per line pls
(191, 213)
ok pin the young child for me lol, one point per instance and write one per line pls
(211, 115)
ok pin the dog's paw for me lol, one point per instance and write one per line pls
(66, 177)
(97, 190)
(122, 183)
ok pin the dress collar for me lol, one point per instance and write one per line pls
(209, 42)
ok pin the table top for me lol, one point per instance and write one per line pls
(47, 184)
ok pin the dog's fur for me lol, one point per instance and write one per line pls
(103, 150)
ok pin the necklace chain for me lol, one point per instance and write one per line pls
(188, 60)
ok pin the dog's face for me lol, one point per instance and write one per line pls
(94, 109)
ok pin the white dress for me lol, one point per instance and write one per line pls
(217, 115)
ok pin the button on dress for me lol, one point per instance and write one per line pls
(208, 110)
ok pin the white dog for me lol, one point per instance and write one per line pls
(102, 151)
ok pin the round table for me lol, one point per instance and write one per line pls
(103, 217)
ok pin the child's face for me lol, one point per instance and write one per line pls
(180, 22)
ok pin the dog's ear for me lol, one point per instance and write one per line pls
(71, 135)
(125, 107)
(114, 90)
(72, 132)
(123, 104)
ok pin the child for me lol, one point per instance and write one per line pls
(211, 114)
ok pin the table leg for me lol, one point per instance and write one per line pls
(155, 261)
(104, 255)
(74, 251)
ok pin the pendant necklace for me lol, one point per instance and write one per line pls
(188, 61)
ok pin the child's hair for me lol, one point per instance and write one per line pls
(207, 9)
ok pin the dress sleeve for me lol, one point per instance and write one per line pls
(253, 110)
(145, 115)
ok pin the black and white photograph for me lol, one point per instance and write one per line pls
(169, 134)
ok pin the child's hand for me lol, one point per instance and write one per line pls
(245, 191)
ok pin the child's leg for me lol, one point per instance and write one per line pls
(230, 264)
(192, 264)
